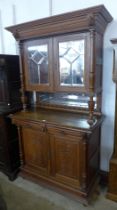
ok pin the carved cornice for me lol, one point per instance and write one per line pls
(97, 17)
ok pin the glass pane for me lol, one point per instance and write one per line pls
(71, 63)
(38, 64)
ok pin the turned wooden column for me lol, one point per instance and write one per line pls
(91, 77)
(23, 94)
(112, 184)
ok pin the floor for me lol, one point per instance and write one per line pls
(22, 194)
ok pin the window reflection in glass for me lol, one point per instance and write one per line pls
(71, 63)
(38, 64)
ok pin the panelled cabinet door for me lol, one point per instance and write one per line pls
(35, 144)
(65, 159)
(71, 56)
(38, 65)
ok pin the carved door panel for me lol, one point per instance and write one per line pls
(35, 145)
(65, 159)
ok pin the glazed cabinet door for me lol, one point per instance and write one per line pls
(65, 158)
(38, 64)
(72, 60)
(35, 150)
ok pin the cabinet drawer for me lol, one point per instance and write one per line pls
(34, 126)
(64, 132)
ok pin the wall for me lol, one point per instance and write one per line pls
(15, 11)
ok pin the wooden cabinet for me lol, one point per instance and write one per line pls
(10, 102)
(61, 75)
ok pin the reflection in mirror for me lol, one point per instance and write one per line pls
(38, 64)
(79, 100)
(71, 63)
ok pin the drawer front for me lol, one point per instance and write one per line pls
(32, 125)
(65, 132)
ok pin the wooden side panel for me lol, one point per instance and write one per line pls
(93, 156)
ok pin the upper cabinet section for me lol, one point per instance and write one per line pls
(59, 63)
(64, 52)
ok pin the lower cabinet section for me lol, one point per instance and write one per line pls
(66, 159)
